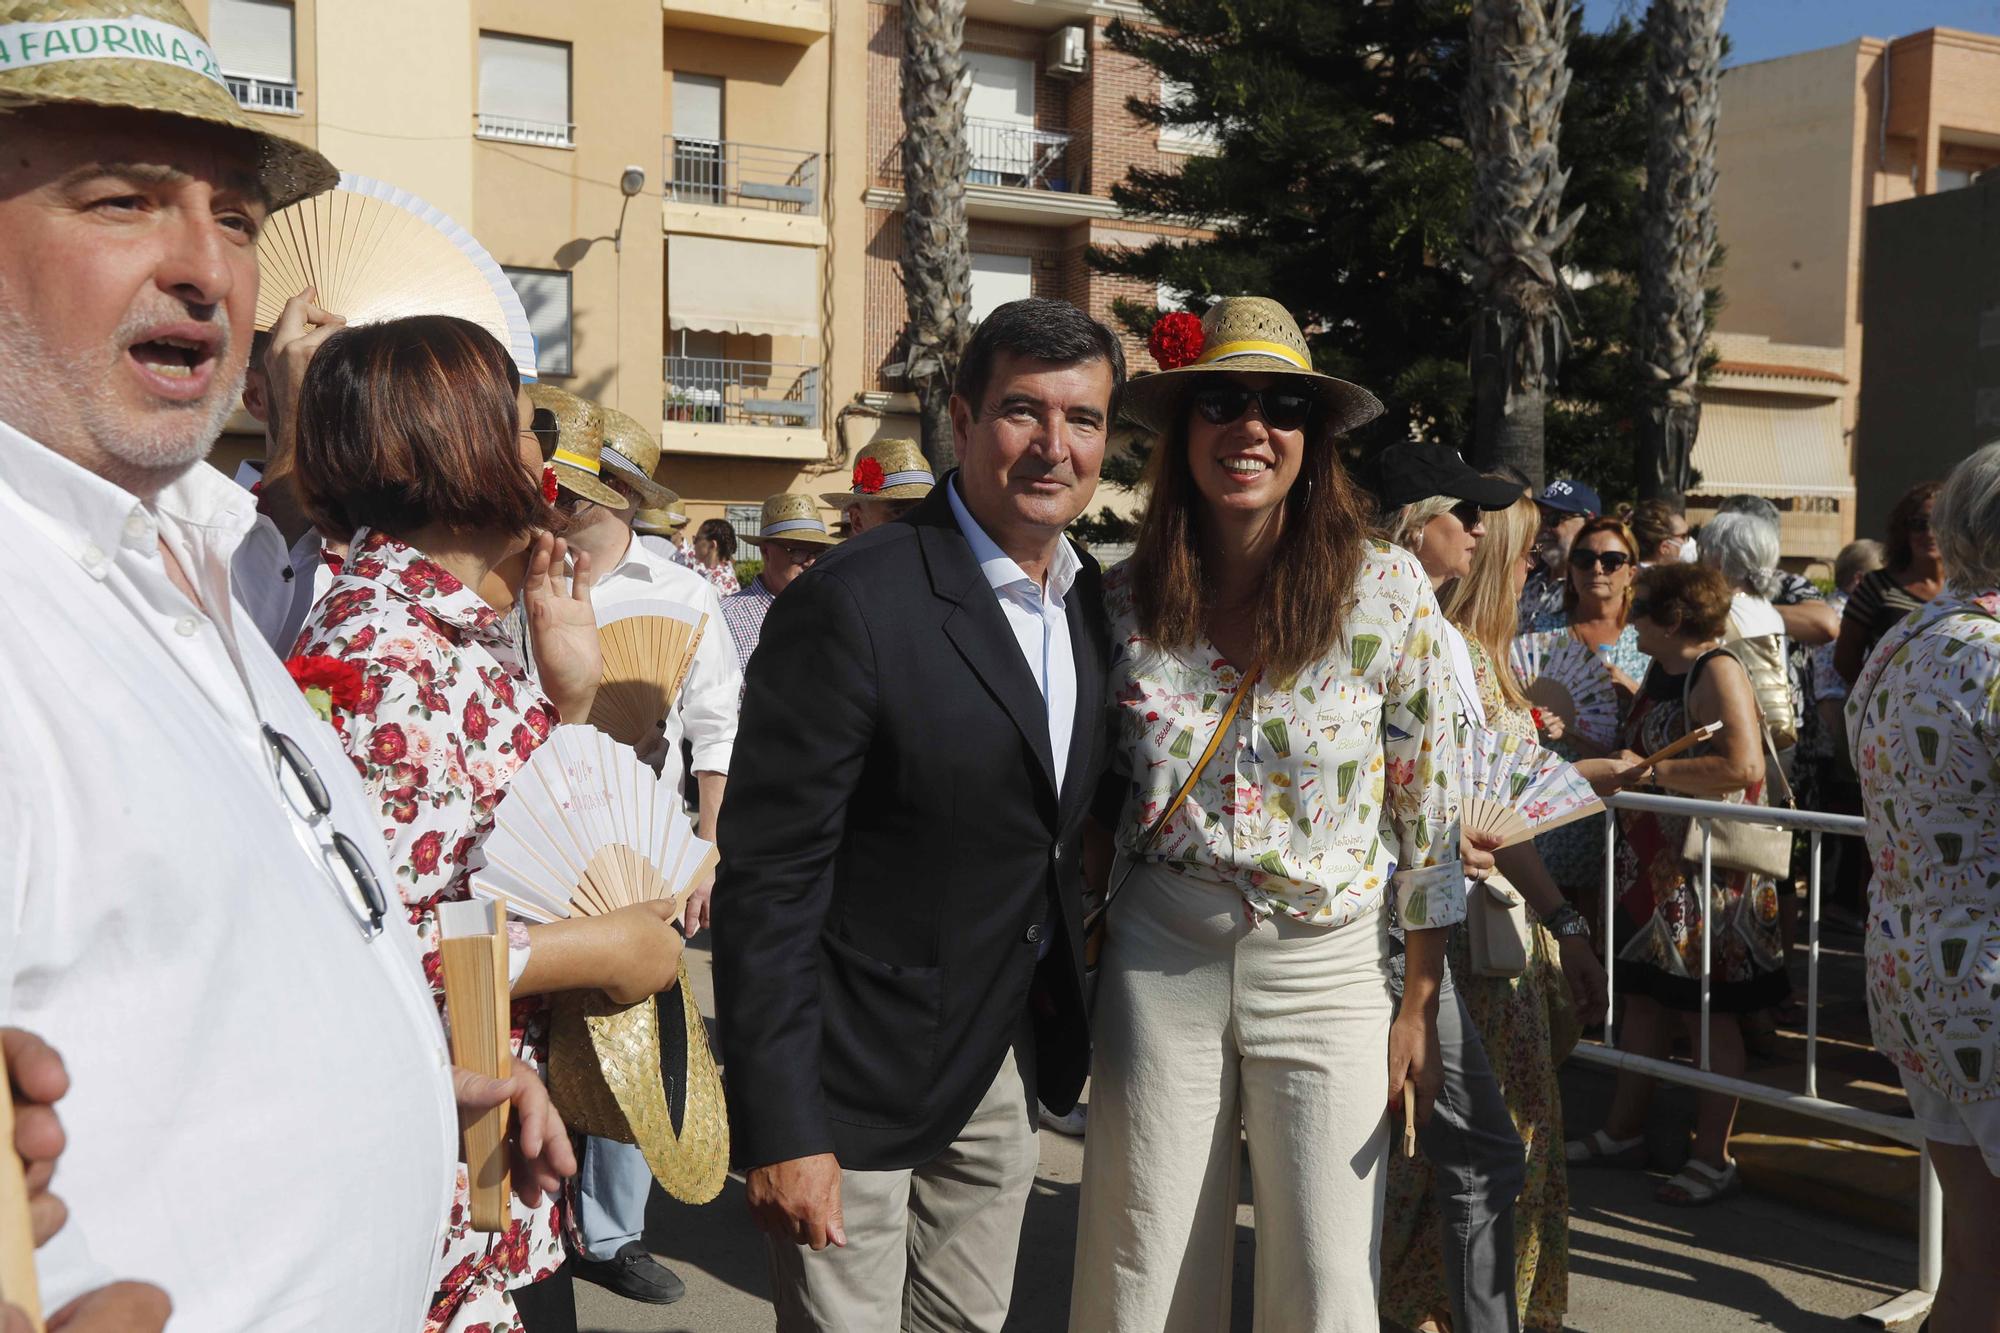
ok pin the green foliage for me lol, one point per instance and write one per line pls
(747, 570)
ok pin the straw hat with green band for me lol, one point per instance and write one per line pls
(792, 518)
(1238, 335)
(631, 454)
(579, 450)
(890, 469)
(662, 519)
(140, 55)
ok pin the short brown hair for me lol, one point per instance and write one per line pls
(1652, 523)
(412, 422)
(1688, 600)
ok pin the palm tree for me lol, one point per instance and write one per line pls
(1677, 238)
(1513, 112)
(937, 265)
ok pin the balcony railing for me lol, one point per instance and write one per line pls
(742, 393)
(1004, 153)
(546, 133)
(744, 175)
(258, 94)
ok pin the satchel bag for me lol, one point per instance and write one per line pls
(1735, 845)
(1498, 928)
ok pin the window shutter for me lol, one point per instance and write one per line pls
(546, 297)
(253, 37)
(524, 79)
(998, 279)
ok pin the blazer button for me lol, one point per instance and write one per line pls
(1034, 934)
(1055, 852)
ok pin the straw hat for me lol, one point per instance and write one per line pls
(792, 518)
(68, 52)
(607, 1078)
(887, 470)
(578, 456)
(662, 519)
(1239, 334)
(632, 455)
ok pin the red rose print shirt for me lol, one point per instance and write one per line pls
(448, 713)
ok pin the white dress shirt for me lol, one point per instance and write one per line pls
(1039, 619)
(705, 710)
(276, 585)
(260, 1116)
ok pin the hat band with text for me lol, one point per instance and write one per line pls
(1251, 347)
(793, 525)
(132, 38)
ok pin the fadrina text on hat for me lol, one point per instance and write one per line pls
(130, 38)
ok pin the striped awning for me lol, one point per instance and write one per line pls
(1771, 444)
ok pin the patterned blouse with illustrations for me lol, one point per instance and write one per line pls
(1291, 811)
(1924, 726)
(449, 712)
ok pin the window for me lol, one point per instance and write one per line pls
(748, 521)
(1000, 117)
(524, 90)
(545, 294)
(1183, 138)
(998, 279)
(698, 167)
(253, 40)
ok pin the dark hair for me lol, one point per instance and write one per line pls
(1689, 600)
(718, 531)
(1309, 586)
(1652, 522)
(1897, 555)
(1040, 330)
(412, 422)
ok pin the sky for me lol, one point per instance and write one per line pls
(1762, 29)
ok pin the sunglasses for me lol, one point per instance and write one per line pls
(1920, 523)
(305, 794)
(1282, 409)
(1613, 561)
(543, 427)
(1468, 514)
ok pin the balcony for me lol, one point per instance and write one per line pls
(795, 22)
(1005, 153)
(752, 409)
(514, 129)
(742, 175)
(275, 97)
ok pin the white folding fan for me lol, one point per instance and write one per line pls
(587, 829)
(1558, 672)
(648, 648)
(1514, 789)
(377, 252)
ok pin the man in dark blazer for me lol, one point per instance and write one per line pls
(898, 925)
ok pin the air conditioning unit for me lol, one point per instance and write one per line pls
(1067, 52)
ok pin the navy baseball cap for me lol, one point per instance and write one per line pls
(1571, 497)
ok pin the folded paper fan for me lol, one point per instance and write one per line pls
(1514, 789)
(1559, 673)
(648, 647)
(377, 252)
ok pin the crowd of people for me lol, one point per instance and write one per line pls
(993, 822)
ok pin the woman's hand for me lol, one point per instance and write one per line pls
(1584, 972)
(563, 626)
(1551, 724)
(628, 954)
(1475, 852)
(1414, 1058)
(1612, 773)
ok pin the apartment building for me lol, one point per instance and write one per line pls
(1806, 146)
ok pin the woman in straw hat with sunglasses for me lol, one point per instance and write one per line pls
(1291, 773)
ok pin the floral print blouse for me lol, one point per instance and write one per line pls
(449, 712)
(1923, 724)
(1330, 787)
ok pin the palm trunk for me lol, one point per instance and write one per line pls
(1677, 243)
(937, 265)
(1513, 106)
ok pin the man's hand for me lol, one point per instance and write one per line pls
(694, 915)
(1475, 852)
(563, 626)
(1414, 1056)
(1585, 974)
(543, 1157)
(122, 1307)
(39, 1081)
(798, 1200)
(301, 328)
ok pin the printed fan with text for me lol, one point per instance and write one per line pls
(648, 647)
(1514, 789)
(1558, 672)
(588, 828)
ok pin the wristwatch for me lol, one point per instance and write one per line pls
(1566, 922)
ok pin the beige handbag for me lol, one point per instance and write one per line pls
(1498, 927)
(1734, 845)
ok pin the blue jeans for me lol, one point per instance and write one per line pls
(612, 1184)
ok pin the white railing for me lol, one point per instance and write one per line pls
(745, 175)
(728, 392)
(1004, 153)
(547, 133)
(1930, 1202)
(259, 94)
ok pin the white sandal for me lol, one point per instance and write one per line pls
(1600, 1149)
(1700, 1183)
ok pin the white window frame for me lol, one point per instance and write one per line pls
(494, 123)
(545, 364)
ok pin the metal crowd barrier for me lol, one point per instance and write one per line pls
(1930, 1202)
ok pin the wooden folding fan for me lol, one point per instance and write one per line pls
(1514, 789)
(648, 648)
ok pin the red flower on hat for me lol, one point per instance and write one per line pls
(327, 682)
(548, 485)
(1176, 340)
(868, 476)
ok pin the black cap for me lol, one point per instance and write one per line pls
(1405, 473)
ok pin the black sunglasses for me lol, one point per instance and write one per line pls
(1613, 561)
(1468, 514)
(543, 424)
(307, 797)
(1282, 409)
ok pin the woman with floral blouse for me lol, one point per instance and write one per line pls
(414, 437)
(1245, 978)
(1923, 721)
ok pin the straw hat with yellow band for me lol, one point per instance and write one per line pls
(142, 55)
(792, 518)
(887, 470)
(579, 449)
(661, 520)
(631, 454)
(1238, 335)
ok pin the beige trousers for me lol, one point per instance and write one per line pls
(1202, 1024)
(929, 1250)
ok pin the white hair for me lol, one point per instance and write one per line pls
(1745, 548)
(1404, 526)
(1966, 521)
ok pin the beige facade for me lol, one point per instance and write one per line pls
(1805, 146)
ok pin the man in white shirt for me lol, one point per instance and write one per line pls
(191, 902)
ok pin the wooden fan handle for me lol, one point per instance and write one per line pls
(19, 1286)
(1668, 751)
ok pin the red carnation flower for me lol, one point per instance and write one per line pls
(1176, 340)
(549, 485)
(327, 682)
(868, 476)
